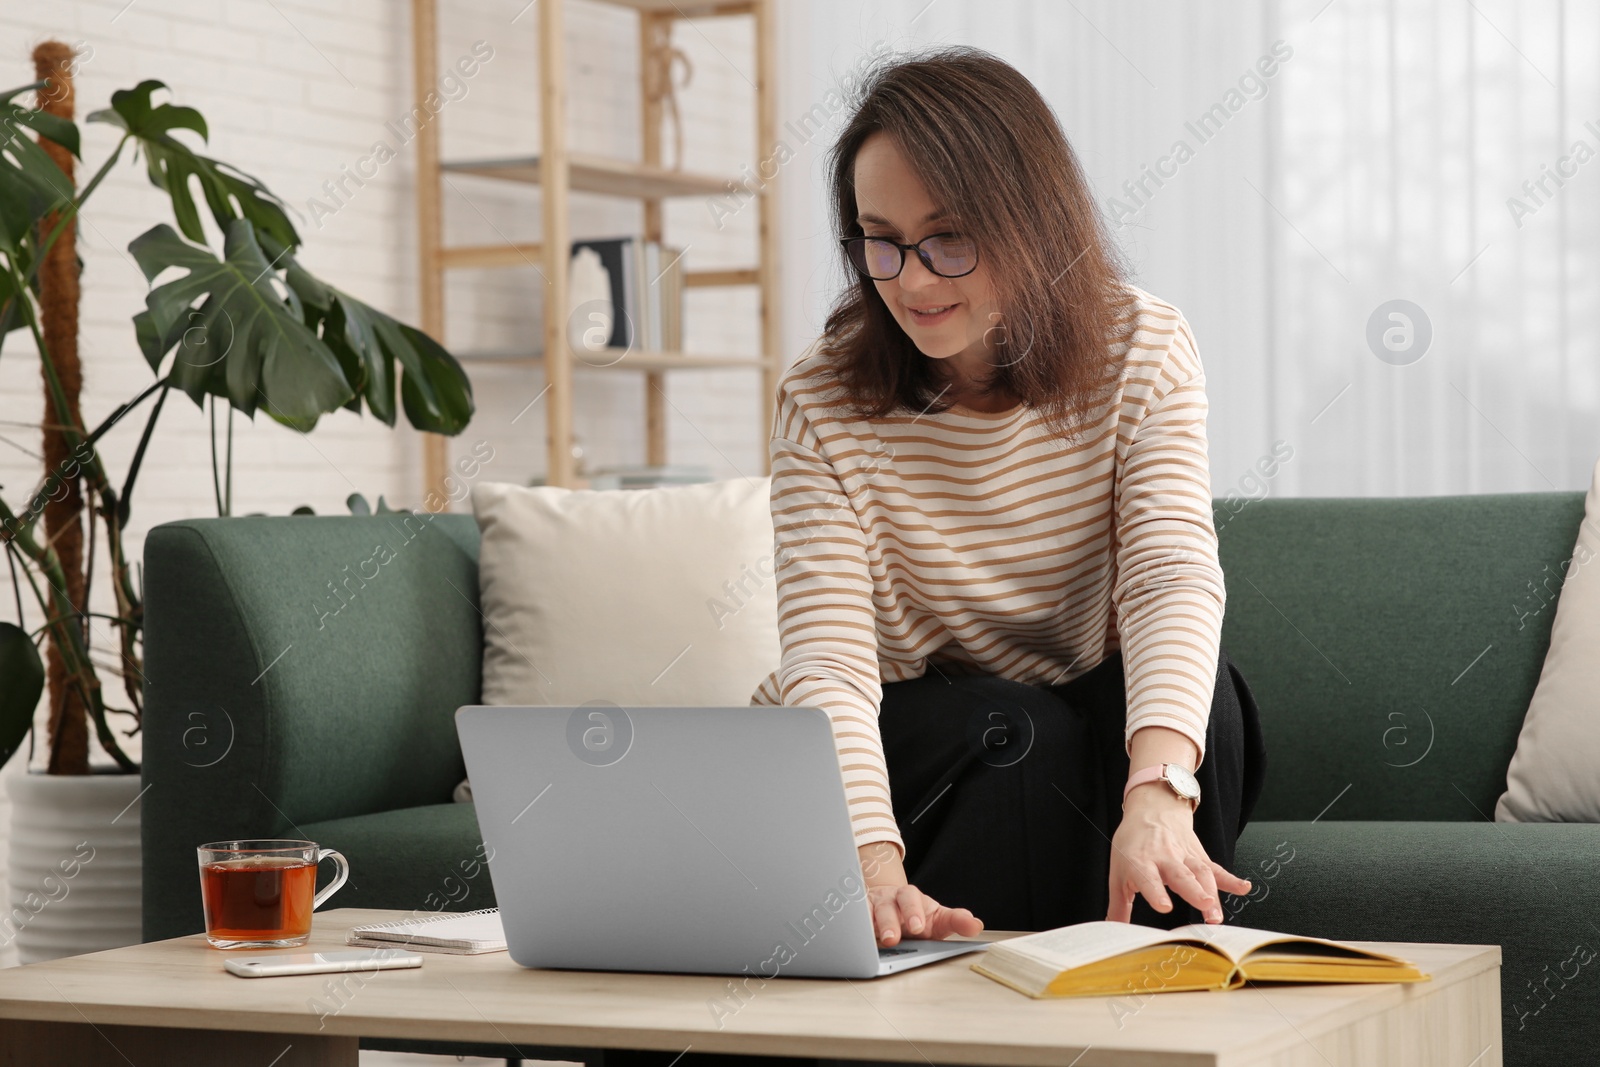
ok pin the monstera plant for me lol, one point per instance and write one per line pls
(246, 329)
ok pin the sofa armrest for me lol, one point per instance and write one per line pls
(1526, 887)
(298, 669)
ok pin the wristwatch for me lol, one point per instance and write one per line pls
(1176, 775)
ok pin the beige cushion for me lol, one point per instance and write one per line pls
(1555, 772)
(637, 596)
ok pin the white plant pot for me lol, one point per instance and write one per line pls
(75, 864)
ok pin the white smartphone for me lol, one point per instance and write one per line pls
(358, 959)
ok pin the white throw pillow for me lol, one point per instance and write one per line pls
(1555, 773)
(635, 596)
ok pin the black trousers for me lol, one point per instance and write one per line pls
(1008, 794)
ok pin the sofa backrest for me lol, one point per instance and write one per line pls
(306, 668)
(1392, 645)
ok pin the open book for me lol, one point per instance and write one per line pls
(1111, 959)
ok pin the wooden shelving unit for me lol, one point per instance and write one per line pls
(560, 173)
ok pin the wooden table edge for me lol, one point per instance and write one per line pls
(470, 1029)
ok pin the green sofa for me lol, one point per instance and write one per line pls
(303, 672)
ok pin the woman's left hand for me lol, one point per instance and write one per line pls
(1154, 847)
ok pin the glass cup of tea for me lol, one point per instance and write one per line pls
(260, 893)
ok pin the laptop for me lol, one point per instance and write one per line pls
(708, 840)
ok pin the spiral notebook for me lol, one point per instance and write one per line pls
(464, 933)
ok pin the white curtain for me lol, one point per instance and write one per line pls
(1341, 157)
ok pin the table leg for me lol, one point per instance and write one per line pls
(30, 1043)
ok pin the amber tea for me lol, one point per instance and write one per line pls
(262, 893)
(258, 899)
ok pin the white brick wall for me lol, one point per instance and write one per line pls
(295, 90)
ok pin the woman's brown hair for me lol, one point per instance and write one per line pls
(992, 154)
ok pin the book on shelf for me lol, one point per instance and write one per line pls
(465, 933)
(1112, 958)
(662, 304)
(646, 284)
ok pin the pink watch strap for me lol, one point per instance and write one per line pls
(1140, 777)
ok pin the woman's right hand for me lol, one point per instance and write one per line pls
(899, 906)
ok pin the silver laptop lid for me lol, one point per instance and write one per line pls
(695, 839)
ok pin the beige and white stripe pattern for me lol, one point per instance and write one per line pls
(966, 541)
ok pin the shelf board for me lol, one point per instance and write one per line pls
(500, 255)
(686, 8)
(625, 360)
(738, 276)
(511, 254)
(597, 174)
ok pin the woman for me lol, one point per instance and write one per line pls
(996, 564)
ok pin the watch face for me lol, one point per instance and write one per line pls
(1183, 781)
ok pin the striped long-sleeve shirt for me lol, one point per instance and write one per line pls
(970, 541)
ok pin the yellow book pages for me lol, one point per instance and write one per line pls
(1281, 971)
(1239, 942)
(1159, 969)
(1168, 968)
(1095, 958)
(1106, 958)
(1317, 963)
(1266, 956)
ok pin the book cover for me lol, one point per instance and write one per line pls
(617, 255)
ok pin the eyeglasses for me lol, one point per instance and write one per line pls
(949, 255)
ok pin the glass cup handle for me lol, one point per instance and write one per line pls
(338, 879)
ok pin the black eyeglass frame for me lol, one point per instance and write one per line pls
(916, 247)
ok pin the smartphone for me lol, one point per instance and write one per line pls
(359, 959)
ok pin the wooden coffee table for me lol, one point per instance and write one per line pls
(170, 1002)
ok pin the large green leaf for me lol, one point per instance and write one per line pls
(31, 185)
(63, 132)
(31, 188)
(21, 682)
(229, 193)
(11, 317)
(323, 315)
(434, 389)
(232, 333)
